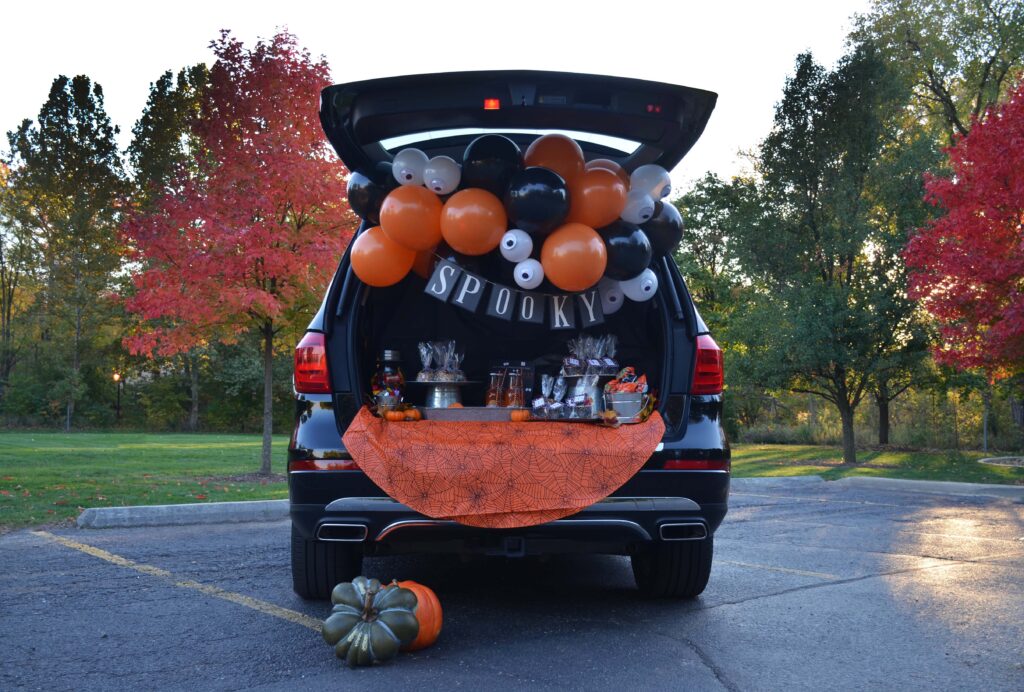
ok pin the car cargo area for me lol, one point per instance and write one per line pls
(401, 316)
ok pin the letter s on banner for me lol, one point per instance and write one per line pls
(442, 281)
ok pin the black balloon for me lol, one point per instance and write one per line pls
(366, 193)
(629, 251)
(489, 162)
(665, 228)
(537, 200)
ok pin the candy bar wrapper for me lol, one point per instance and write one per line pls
(571, 366)
(539, 407)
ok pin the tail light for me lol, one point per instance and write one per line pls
(323, 465)
(697, 465)
(311, 365)
(708, 373)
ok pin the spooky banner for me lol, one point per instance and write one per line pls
(452, 284)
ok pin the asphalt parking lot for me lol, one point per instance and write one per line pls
(815, 586)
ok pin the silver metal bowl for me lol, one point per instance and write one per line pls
(625, 404)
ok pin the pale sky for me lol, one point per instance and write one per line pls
(741, 50)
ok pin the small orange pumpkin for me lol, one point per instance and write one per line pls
(394, 415)
(455, 405)
(519, 415)
(428, 614)
(413, 414)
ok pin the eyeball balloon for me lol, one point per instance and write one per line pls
(442, 175)
(408, 166)
(639, 207)
(516, 245)
(652, 179)
(529, 274)
(611, 294)
(642, 287)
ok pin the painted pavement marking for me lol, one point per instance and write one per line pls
(207, 589)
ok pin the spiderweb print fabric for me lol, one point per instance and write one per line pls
(499, 475)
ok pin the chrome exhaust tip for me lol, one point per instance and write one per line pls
(683, 531)
(344, 533)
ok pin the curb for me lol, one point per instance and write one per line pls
(178, 515)
(277, 510)
(1014, 492)
(771, 482)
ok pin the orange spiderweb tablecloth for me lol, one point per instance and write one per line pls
(499, 475)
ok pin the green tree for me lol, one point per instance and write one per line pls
(66, 174)
(708, 260)
(827, 315)
(17, 263)
(959, 56)
(164, 148)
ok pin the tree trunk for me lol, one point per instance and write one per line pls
(75, 367)
(986, 400)
(192, 362)
(883, 419)
(268, 396)
(849, 442)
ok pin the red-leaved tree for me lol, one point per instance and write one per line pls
(967, 267)
(248, 240)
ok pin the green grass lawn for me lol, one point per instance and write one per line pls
(800, 460)
(49, 477)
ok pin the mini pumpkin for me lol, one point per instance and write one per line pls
(519, 415)
(394, 415)
(428, 614)
(455, 405)
(413, 414)
(369, 623)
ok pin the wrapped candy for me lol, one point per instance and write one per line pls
(426, 358)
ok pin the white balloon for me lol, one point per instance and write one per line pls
(516, 245)
(611, 294)
(528, 274)
(652, 179)
(639, 207)
(408, 166)
(642, 287)
(442, 175)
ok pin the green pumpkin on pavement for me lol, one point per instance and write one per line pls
(370, 622)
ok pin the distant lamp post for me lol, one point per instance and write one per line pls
(117, 383)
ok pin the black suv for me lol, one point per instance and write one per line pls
(665, 516)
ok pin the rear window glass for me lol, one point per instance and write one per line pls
(393, 144)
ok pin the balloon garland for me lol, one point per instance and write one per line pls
(550, 213)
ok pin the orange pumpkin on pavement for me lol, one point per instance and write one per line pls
(428, 613)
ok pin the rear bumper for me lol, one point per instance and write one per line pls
(620, 525)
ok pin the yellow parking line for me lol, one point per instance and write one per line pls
(207, 589)
(786, 570)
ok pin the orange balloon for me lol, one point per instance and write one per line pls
(559, 153)
(610, 165)
(411, 217)
(574, 257)
(597, 198)
(473, 221)
(379, 261)
(423, 265)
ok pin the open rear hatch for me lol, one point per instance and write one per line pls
(633, 122)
